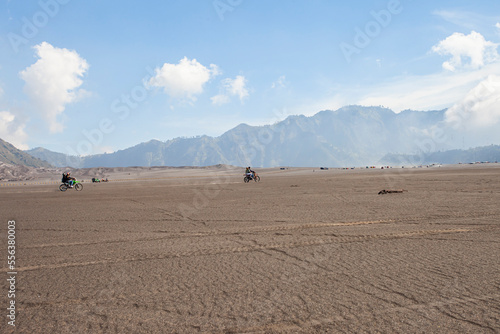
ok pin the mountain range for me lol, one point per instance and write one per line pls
(349, 136)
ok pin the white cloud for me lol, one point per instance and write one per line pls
(183, 80)
(237, 86)
(280, 83)
(473, 47)
(465, 19)
(53, 81)
(454, 17)
(12, 130)
(479, 108)
(220, 99)
(231, 87)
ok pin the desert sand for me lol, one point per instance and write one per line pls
(304, 251)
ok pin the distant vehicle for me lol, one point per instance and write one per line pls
(323, 168)
(95, 180)
(77, 185)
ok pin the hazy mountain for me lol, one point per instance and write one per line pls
(485, 153)
(13, 156)
(56, 159)
(349, 136)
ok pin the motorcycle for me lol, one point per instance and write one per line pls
(249, 178)
(77, 185)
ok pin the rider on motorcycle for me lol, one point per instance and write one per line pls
(67, 178)
(249, 172)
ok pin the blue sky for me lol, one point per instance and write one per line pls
(86, 77)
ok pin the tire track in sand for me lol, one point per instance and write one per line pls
(252, 248)
(214, 233)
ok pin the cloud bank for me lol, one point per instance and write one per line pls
(53, 82)
(479, 108)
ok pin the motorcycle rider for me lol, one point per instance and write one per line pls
(249, 172)
(67, 178)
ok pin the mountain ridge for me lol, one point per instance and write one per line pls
(349, 136)
(9, 154)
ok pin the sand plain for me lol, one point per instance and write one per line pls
(303, 251)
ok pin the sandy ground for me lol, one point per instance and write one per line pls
(198, 250)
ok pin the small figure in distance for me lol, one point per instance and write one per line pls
(67, 178)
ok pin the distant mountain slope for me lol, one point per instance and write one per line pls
(349, 136)
(56, 159)
(486, 153)
(13, 156)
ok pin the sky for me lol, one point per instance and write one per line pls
(88, 77)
